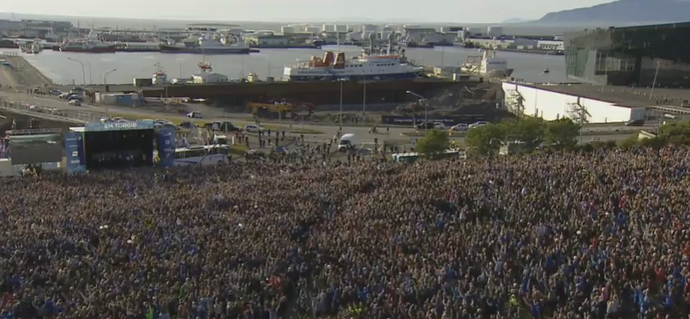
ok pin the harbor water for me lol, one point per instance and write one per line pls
(66, 68)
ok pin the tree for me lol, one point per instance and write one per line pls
(528, 130)
(435, 143)
(676, 133)
(485, 139)
(562, 133)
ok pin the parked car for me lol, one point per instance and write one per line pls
(75, 102)
(638, 122)
(194, 115)
(161, 121)
(251, 128)
(431, 126)
(187, 125)
(228, 127)
(75, 97)
(477, 124)
(459, 127)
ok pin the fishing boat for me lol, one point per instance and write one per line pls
(92, 44)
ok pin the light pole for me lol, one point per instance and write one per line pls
(83, 73)
(90, 73)
(421, 100)
(340, 116)
(656, 73)
(105, 76)
(364, 97)
(105, 88)
(268, 72)
(165, 85)
(179, 65)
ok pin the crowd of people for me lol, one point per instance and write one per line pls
(564, 235)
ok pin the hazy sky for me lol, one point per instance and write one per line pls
(467, 11)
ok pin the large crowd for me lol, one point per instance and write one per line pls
(564, 235)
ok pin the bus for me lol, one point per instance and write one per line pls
(409, 158)
(202, 155)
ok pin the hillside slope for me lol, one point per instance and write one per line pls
(623, 12)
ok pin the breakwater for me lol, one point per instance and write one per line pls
(18, 72)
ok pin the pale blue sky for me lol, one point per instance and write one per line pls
(477, 11)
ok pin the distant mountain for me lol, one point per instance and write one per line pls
(623, 12)
(515, 20)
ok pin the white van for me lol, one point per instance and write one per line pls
(346, 141)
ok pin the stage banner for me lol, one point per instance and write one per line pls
(165, 139)
(118, 126)
(74, 149)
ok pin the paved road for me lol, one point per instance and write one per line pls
(94, 112)
(6, 78)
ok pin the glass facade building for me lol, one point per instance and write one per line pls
(631, 56)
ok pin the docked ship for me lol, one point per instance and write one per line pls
(486, 64)
(88, 46)
(92, 44)
(138, 47)
(206, 46)
(408, 42)
(31, 47)
(368, 66)
(8, 44)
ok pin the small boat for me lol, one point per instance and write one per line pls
(547, 71)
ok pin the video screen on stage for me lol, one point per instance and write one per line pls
(34, 149)
(118, 149)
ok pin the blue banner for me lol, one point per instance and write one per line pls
(74, 147)
(165, 139)
(118, 126)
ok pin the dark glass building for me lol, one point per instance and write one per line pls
(631, 56)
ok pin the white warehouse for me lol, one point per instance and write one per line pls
(208, 77)
(552, 105)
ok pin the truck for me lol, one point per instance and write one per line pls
(346, 141)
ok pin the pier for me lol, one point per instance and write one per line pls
(19, 74)
(313, 92)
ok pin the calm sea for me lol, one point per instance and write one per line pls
(61, 69)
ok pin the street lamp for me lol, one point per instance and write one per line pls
(90, 73)
(179, 63)
(341, 80)
(268, 72)
(364, 97)
(83, 74)
(105, 88)
(105, 77)
(422, 100)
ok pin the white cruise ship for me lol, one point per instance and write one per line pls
(365, 67)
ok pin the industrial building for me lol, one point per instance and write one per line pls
(209, 77)
(267, 40)
(313, 30)
(33, 28)
(552, 103)
(648, 55)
